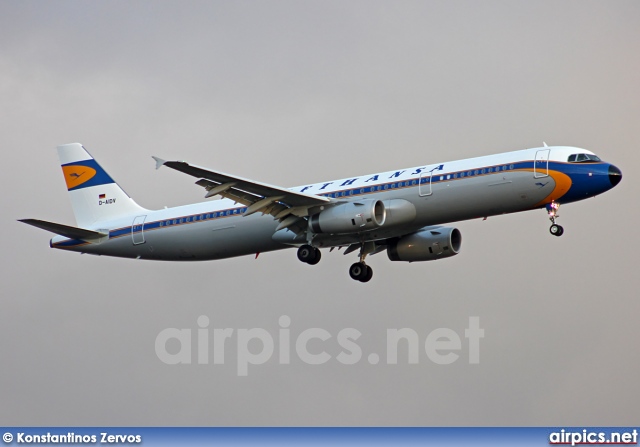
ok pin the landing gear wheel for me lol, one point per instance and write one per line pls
(368, 276)
(308, 254)
(556, 230)
(359, 271)
(316, 258)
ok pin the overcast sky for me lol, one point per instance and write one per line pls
(292, 93)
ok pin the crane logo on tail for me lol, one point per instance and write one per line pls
(76, 175)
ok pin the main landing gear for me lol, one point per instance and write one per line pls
(309, 254)
(361, 272)
(358, 271)
(552, 209)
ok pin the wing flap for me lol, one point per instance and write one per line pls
(226, 191)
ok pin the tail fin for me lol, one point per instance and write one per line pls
(95, 196)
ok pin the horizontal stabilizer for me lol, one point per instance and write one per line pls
(65, 230)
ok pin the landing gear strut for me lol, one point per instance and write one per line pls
(552, 209)
(309, 254)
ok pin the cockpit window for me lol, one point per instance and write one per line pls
(583, 158)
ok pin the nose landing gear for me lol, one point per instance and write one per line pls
(552, 209)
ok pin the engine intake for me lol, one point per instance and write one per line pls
(428, 244)
(351, 217)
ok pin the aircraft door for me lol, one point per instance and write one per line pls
(424, 186)
(137, 230)
(541, 163)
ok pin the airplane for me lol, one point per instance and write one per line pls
(405, 212)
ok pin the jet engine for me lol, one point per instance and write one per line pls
(427, 244)
(352, 217)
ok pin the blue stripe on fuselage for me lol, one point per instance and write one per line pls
(343, 193)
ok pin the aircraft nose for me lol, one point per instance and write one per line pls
(615, 175)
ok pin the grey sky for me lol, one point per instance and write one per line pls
(299, 92)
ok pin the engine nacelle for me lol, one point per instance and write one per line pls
(428, 244)
(351, 217)
(399, 212)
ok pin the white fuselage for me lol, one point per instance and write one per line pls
(440, 193)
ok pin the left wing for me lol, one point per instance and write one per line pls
(285, 205)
